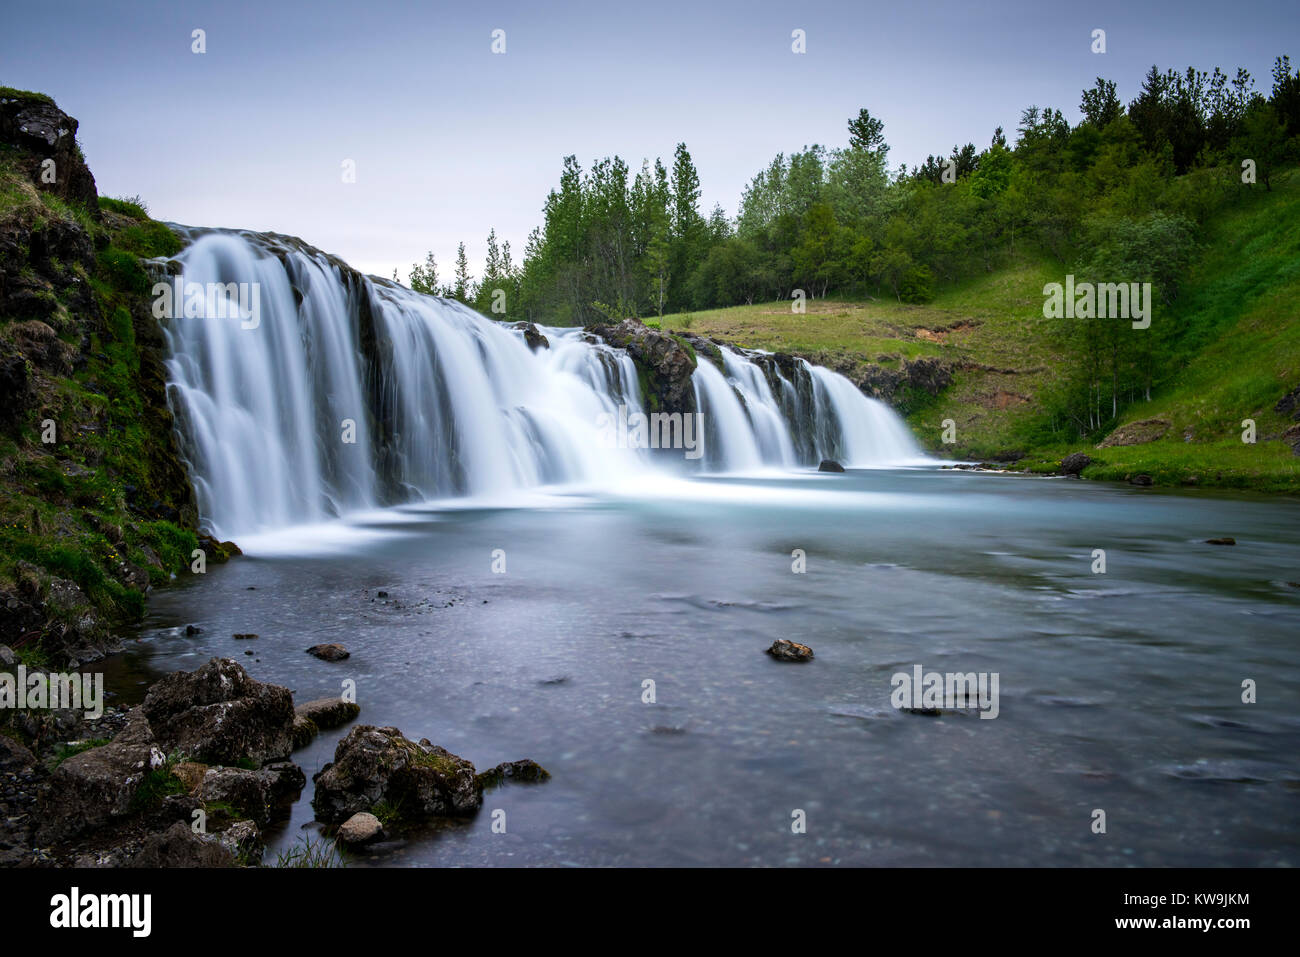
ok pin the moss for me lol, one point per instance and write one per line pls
(10, 93)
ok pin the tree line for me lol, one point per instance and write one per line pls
(1117, 197)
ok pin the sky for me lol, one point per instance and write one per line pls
(449, 139)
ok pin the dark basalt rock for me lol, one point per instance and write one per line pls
(373, 765)
(527, 771)
(328, 712)
(329, 652)
(830, 465)
(783, 650)
(532, 336)
(220, 715)
(40, 131)
(1221, 541)
(1074, 463)
(666, 365)
(1142, 480)
(179, 846)
(92, 788)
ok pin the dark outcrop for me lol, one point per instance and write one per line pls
(378, 765)
(664, 362)
(220, 715)
(41, 131)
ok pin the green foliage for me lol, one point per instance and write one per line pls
(132, 206)
(122, 269)
(319, 852)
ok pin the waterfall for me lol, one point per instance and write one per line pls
(764, 410)
(332, 392)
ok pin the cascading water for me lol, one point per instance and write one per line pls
(346, 392)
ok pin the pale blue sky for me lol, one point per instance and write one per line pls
(450, 139)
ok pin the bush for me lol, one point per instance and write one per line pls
(917, 285)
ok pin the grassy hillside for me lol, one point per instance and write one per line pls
(1238, 339)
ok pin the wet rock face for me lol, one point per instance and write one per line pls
(667, 365)
(220, 715)
(378, 765)
(41, 131)
(533, 336)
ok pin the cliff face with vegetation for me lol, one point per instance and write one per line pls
(95, 506)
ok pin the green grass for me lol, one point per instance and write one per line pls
(318, 852)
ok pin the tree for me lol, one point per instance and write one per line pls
(1101, 105)
(867, 133)
(425, 278)
(462, 288)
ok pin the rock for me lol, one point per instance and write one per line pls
(244, 636)
(304, 731)
(532, 336)
(361, 828)
(220, 715)
(666, 363)
(40, 130)
(527, 770)
(179, 846)
(1142, 480)
(13, 755)
(190, 774)
(7, 657)
(1289, 404)
(830, 465)
(244, 792)
(378, 764)
(330, 652)
(244, 841)
(284, 781)
(91, 788)
(1221, 541)
(327, 712)
(192, 630)
(1074, 463)
(783, 650)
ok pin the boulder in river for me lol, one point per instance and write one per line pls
(783, 650)
(329, 652)
(830, 465)
(373, 765)
(220, 715)
(1221, 541)
(361, 828)
(1143, 480)
(525, 771)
